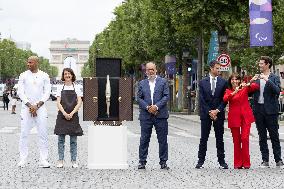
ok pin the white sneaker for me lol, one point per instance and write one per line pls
(22, 163)
(74, 164)
(60, 164)
(44, 164)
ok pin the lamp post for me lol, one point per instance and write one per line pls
(223, 40)
(223, 44)
(186, 80)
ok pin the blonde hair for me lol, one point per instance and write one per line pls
(35, 58)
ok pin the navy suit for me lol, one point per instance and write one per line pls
(266, 117)
(147, 120)
(211, 102)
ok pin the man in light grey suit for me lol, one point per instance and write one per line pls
(152, 96)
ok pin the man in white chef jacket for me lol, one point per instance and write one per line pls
(34, 90)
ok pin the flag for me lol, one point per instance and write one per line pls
(213, 47)
(170, 64)
(261, 29)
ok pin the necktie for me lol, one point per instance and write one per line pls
(213, 85)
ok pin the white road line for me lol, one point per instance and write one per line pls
(8, 129)
(186, 134)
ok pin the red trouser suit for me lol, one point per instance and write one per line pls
(240, 117)
(241, 145)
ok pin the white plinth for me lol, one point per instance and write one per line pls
(107, 147)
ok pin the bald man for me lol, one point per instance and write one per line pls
(152, 96)
(34, 90)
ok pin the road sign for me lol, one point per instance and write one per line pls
(225, 62)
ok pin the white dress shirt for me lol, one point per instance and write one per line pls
(211, 78)
(262, 83)
(152, 85)
(34, 87)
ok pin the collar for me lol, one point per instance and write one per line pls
(154, 79)
(210, 76)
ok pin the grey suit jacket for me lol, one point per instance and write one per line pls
(160, 98)
(271, 93)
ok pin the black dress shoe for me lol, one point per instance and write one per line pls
(164, 166)
(224, 166)
(141, 166)
(199, 166)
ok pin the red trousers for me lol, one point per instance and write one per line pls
(241, 146)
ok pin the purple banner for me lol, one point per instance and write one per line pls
(261, 30)
(170, 64)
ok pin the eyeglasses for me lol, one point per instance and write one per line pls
(150, 69)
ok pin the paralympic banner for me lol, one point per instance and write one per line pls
(213, 47)
(261, 27)
(170, 62)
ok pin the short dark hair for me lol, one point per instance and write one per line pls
(213, 62)
(236, 75)
(267, 60)
(70, 71)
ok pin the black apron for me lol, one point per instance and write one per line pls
(64, 126)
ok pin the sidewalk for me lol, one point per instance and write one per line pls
(254, 134)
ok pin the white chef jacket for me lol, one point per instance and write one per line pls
(34, 87)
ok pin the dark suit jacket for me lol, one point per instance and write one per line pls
(271, 93)
(161, 97)
(208, 101)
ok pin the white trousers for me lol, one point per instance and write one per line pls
(27, 123)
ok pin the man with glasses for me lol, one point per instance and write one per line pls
(152, 96)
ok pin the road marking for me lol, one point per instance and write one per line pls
(186, 134)
(8, 129)
(131, 134)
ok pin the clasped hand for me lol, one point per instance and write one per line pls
(32, 110)
(213, 114)
(68, 116)
(153, 109)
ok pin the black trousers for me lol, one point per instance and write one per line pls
(161, 127)
(206, 125)
(264, 123)
(5, 104)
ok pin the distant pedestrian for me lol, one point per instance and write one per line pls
(266, 112)
(6, 100)
(34, 90)
(211, 91)
(152, 97)
(14, 101)
(67, 122)
(240, 117)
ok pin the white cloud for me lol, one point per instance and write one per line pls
(39, 22)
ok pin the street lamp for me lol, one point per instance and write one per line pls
(186, 84)
(223, 40)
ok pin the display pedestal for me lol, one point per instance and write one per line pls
(107, 147)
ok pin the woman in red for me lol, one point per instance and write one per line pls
(240, 117)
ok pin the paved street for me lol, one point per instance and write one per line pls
(184, 132)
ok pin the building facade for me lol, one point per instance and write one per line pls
(23, 45)
(66, 50)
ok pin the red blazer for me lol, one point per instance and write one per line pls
(240, 111)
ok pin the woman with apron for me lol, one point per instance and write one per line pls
(67, 122)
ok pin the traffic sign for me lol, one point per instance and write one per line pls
(225, 62)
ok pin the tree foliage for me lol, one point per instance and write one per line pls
(146, 30)
(13, 61)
